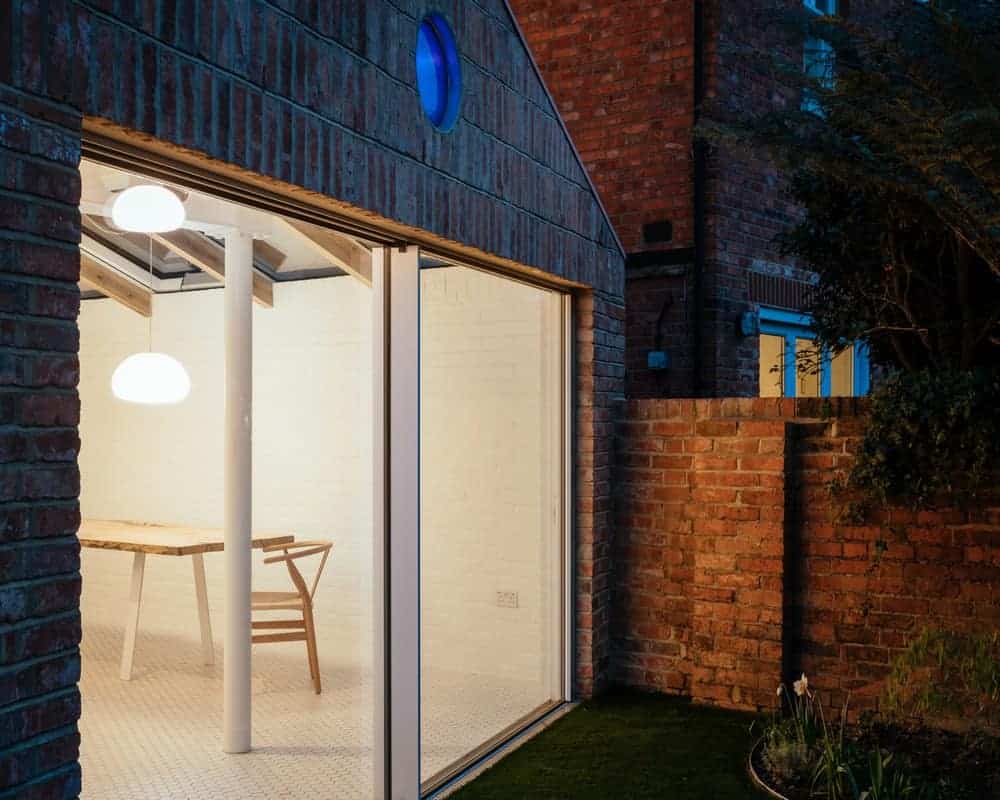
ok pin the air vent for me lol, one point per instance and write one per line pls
(655, 232)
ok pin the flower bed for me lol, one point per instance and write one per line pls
(802, 755)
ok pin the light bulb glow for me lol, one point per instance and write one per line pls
(147, 209)
(150, 379)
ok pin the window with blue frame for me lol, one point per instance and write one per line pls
(792, 365)
(818, 56)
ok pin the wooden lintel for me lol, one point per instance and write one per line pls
(210, 257)
(338, 248)
(112, 283)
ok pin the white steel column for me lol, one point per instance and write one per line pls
(569, 496)
(238, 490)
(380, 517)
(397, 521)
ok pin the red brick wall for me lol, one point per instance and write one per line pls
(732, 572)
(623, 77)
(600, 346)
(621, 74)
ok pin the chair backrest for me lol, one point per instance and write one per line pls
(291, 553)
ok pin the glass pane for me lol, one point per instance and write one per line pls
(312, 462)
(807, 372)
(772, 365)
(491, 478)
(842, 373)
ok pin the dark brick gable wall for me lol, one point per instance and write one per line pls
(39, 480)
(311, 96)
(325, 99)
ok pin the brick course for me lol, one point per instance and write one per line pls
(732, 571)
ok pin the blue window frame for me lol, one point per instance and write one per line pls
(818, 57)
(796, 335)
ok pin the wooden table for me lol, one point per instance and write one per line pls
(142, 538)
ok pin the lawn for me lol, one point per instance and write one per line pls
(627, 745)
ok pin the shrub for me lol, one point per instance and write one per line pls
(802, 750)
(951, 677)
(931, 436)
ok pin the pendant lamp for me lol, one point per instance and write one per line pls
(149, 378)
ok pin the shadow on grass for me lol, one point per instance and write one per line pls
(628, 745)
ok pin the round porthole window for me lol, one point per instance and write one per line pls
(439, 74)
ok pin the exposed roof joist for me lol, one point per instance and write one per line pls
(210, 257)
(109, 281)
(342, 250)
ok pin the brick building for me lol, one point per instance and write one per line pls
(359, 189)
(631, 79)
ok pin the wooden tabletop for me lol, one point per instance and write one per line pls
(162, 540)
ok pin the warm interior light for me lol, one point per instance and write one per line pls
(150, 379)
(147, 209)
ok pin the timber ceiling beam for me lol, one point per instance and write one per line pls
(343, 251)
(209, 257)
(109, 281)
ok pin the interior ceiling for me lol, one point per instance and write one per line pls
(131, 267)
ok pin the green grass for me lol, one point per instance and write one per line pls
(626, 746)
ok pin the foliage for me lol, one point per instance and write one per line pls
(785, 757)
(886, 782)
(948, 676)
(930, 436)
(894, 158)
(790, 736)
(898, 175)
(832, 773)
(801, 749)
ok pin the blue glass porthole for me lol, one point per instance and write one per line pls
(439, 75)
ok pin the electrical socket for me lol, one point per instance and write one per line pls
(507, 599)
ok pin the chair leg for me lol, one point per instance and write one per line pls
(311, 648)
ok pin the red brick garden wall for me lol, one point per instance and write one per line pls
(732, 571)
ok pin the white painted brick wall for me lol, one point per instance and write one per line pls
(487, 501)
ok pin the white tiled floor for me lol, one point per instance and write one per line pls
(159, 735)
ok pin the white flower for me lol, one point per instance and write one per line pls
(801, 686)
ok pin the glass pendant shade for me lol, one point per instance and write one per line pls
(150, 379)
(147, 209)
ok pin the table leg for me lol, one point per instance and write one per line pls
(132, 619)
(201, 593)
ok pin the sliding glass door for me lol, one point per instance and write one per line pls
(492, 534)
